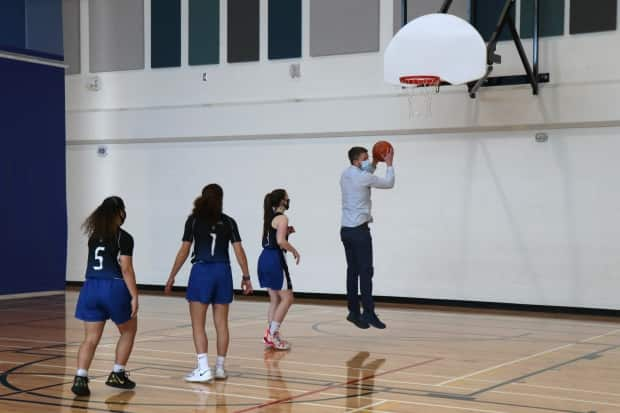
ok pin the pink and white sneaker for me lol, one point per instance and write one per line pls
(267, 339)
(276, 342)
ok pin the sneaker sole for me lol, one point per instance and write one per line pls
(117, 386)
(209, 380)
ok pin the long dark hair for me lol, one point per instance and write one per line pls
(272, 201)
(103, 222)
(208, 206)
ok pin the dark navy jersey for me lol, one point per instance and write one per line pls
(211, 241)
(103, 255)
(271, 240)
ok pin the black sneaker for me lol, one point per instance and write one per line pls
(80, 386)
(373, 320)
(120, 380)
(357, 320)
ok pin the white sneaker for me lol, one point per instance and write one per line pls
(199, 376)
(220, 373)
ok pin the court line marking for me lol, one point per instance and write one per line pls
(322, 389)
(508, 363)
(312, 373)
(445, 406)
(163, 377)
(568, 389)
(301, 372)
(210, 393)
(359, 409)
(324, 365)
(494, 391)
(542, 396)
(340, 395)
(302, 363)
(90, 369)
(277, 361)
(27, 340)
(609, 333)
(287, 389)
(98, 380)
(290, 371)
(289, 361)
(399, 381)
(59, 404)
(138, 340)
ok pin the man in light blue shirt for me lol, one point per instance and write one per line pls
(356, 183)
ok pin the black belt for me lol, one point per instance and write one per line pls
(362, 226)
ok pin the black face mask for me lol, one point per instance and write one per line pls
(287, 205)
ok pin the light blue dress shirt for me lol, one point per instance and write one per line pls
(355, 185)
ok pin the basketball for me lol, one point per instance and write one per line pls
(380, 149)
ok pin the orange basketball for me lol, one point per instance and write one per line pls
(380, 149)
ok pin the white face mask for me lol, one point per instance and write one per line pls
(366, 165)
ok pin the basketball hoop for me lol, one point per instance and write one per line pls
(429, 85)
(432, 50)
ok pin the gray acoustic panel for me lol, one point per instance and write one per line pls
(116, 35)
(44, 27)
(485, 16)
(551, 18)
(165, 33)
(204, 32)
(398, 15)
(243, 30)
(417, 8)
(587, 16)
(71, 35)
(343, 27)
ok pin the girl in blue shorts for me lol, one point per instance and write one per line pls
(210, 281)
(109, 292)
(273, 271)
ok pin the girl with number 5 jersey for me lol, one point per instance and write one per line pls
(109, 292)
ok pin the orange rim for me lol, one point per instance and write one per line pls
(420, 80)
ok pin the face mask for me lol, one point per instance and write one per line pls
(366, 165)
(287, 205)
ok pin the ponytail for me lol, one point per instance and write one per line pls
(267, 214)
(272, 200)
(208, 206)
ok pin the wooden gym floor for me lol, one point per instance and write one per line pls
(427, 360)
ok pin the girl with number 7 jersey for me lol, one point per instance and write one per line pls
(210, 281)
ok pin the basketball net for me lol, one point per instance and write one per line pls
(420, 92)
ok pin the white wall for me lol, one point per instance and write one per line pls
(493, 216)
(480, 211)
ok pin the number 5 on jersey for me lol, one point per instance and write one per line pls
(99, 258)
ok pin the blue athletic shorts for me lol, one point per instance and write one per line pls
(272, 273)
(102, 299)
(210, 283)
